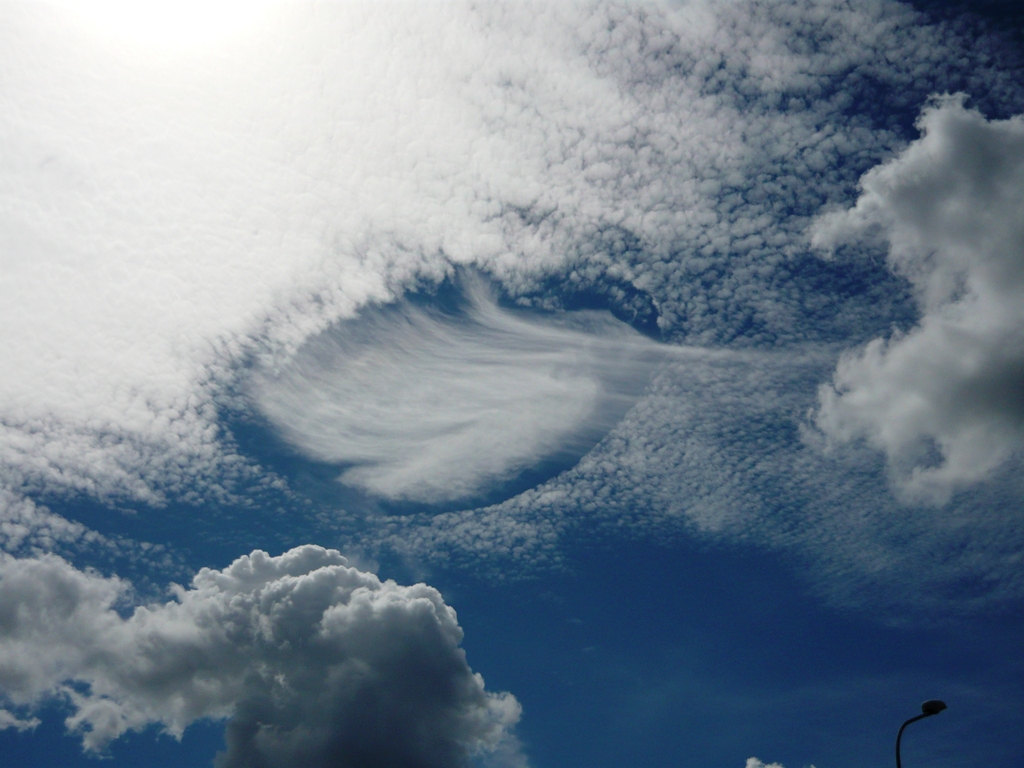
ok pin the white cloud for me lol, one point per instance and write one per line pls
(165, 215)
(28, 527)
(753, 762)
(430, 407)
(314, 662)
(166, 219)
(10, 720)
(945, 399)
(708, 449)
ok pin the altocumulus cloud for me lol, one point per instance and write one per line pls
(168, 216)
(944, 399)
(315, 663)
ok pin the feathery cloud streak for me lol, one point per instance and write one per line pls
(433, 407)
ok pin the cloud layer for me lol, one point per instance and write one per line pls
(168, 214)
(168, 219)
(314, 662)
(944, 399)
(720, 448)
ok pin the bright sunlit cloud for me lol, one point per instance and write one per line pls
(166, 22)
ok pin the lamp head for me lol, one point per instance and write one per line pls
(933, 707)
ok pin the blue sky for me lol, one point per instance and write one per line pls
(611, 384)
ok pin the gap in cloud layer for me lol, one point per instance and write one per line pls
(716, 449)
(451, 397)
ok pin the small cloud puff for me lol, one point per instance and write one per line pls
(10, 720)
(315, 662)
(944, 399)
(753, 762)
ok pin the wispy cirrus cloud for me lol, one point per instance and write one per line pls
(428, 406)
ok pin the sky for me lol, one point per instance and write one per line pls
(511, 385)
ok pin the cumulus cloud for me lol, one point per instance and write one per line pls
(431, 406)
(164, 214)
(944, 399)
(314, 662)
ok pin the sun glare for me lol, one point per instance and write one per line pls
(168, 22)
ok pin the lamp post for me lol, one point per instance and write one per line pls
(929, 708)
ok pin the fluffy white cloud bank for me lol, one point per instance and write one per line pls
(432, 406)
(945, 399)
(165, 212)
(314, 662)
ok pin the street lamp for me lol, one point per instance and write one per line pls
(929, 708)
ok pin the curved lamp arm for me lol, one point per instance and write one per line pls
(929, 708)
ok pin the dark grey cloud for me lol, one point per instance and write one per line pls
(313, 662)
